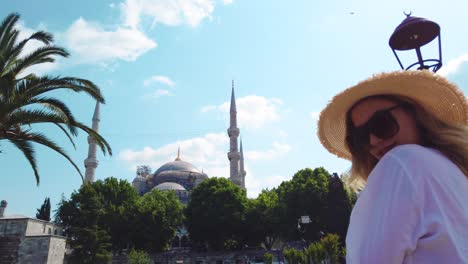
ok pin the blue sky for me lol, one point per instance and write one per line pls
(165, 68)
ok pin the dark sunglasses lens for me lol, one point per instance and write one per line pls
(383, 125)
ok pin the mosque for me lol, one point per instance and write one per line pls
(178, 175)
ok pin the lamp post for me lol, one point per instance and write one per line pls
(301, 224)
(412, 34)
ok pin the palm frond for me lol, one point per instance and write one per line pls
(28, 151)
(38, 56)
(52, 104)
(34, 86)
(6, 27)
(102, 143)
(5, 49)
(43, 140)
(23, 117)
(67, 134)
(15, 51)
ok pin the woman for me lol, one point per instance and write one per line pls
(406, 134)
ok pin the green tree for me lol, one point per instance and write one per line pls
(91, 245)
(304, 194)
(80, 217)
(262, 219)
(26, 101)
(138, 257)
(155, 219)
(331, 247)
(315, 253)
(339, 206)
(43, 213)
(216, 215)
(148, 222)
(294, 256)
(268, 258)
(118, 199)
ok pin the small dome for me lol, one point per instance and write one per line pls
(177, 165)
(171, 186)
(139, 179)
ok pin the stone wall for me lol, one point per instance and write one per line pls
(34, 249)
(24, 240)
(37, 227)
(9, 245)
(13, 226)
(56, 250)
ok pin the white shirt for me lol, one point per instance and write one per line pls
(414, 209)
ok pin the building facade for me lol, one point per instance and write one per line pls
(27, 240)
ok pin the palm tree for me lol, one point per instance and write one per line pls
(24, 101)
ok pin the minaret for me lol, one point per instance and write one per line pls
(91, 162)
(242, 170)
(233, 132)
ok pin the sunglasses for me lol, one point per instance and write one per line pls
(382, 124)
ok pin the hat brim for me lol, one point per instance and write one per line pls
(433, 92)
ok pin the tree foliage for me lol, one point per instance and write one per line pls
(43, 213)
(26, 101)
(305, 194)
(216, 215)
(268, 258)
(339, 206)
(294, 256)
(138, 257)
(155, 219)
(263, 219)
(143, 170)
(328, 249)
(129, 221)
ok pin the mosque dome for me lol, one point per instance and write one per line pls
(177, 165)
(139, 179)
(179, 172)
(169, 186)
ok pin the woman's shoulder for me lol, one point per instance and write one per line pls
(413, 153)
(416, 159)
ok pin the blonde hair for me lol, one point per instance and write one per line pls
(450, 140)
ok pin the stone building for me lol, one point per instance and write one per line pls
(27, 240)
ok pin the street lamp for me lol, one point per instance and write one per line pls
(301, 224)
(413, 33)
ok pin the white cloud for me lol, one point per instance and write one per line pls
(168, 12)
(161, 92)
(255, 185)
(158, 79)
(278, 150)
(253, 111)
(92, 44)
(227, 2)
(453, 65)
(282, 133)
(207, 152)
(208, 108)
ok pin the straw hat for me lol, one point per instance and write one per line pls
(435, 93)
